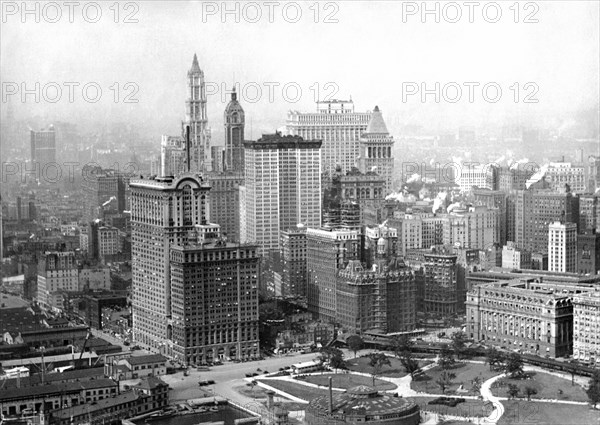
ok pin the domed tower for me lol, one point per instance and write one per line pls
(234, 135)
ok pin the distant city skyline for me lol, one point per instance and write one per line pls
(338, 59)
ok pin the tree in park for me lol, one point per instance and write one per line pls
(593, 390)
(445, 380)
(402, 344)
(446, 358)
(337, 361)
(529, 391)
(355, 343)
(514, 365)
(573, 370)
(377, 361)
(476, 385)
(513, 390)
(333, 356)
(495, 358)
(410, 364)
(459, 343)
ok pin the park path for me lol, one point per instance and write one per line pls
(486, 393)
(429, 418)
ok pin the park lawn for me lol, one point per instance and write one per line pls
(297, 390)
(465, 373)
(252, 392)
(542, 413)
(468, 409)
(396, 370)
(348, 380)
(547, 387)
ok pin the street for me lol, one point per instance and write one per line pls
(227, 377)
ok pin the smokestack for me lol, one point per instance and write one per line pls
(270, 400)
(330, 396)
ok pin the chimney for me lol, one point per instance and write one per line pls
(270, 400)
(330, 396)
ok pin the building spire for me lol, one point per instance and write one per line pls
(195, 66)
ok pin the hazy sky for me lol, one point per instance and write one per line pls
(369, 53)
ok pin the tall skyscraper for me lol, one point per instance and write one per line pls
(43, 149)
(588, 252)
(589, 213)
(282, 188)
(103, 187)
(338, 126)
(164, 211)
(562, 247)
(293, 258)
(327, 252)
(173, 155)
(365, 190)
(225, 203)
(495, 199)
(234, 135)
(197, 119)
(441, 295)
(173, 152)
(376, 149)
(535, 210)
(214, 287)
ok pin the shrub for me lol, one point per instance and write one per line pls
(447, 401)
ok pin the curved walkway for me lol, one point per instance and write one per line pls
(404, 389)
(486, 393)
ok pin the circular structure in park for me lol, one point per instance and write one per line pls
(363, 405)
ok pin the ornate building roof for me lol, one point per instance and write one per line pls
(377, 125)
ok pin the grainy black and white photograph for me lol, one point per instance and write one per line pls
(300, 212)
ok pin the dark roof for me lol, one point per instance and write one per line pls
(362, 400)
(55, 330)
(59, 388)
(150, 358)
(20, 319)
(151, 383)
(69, 375)
(105, 403)
(362, 390)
